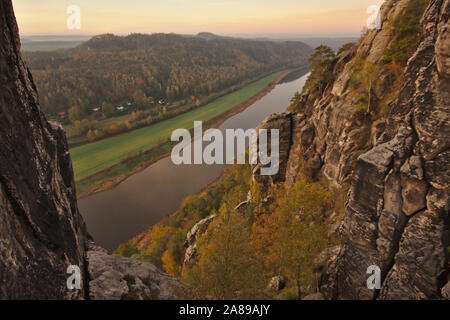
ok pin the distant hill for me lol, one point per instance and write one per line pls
(32, 46)
(334, 42)
(210, 36)
(51, 42)
(142, 68)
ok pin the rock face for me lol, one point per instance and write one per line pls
(276, 284)
(282, 122)
(293, 133)
(397, 212)
(191, 239)
(41, 230)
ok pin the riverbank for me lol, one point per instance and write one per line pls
(111, 176)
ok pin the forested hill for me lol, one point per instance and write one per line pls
(142, 69)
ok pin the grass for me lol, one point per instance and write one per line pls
(93, 158)
(103, 124)
(102, 178)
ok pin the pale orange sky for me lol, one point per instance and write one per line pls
(192, 16)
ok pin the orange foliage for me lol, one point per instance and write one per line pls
(170, 266)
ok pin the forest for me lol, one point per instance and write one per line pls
(111, 75)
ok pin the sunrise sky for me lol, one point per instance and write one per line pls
(302, 17)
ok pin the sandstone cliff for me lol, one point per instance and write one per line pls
(395, 156)
(397, 213)
(41, 231)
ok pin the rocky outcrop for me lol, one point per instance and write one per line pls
(41, 230)
(276, 284)
(397, 213)
(114, 277)
(295, 139)
(445, 292)
(315, 296)
(192, 237)
(283, 123)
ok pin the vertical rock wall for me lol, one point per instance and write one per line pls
(397, 216)
(41, 230)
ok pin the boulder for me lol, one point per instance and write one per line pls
(276, 284)
(113, 277)
(314, 296)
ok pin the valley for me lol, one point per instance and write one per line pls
(103, 164)
(156, 191)
(97, 202)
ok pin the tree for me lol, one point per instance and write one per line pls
(321, 69)
(169, 264)
(368, 77)
(288, 241)
(225, 259)
(107, 108)
(322, 55)
(75, 114)
(140, 98)
(295, 102)
(114, 129)
(91, 135)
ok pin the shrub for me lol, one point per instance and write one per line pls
(363, 138)
(113, 129)
(126, 250)
(347, 46)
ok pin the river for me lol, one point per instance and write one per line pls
(117, 215)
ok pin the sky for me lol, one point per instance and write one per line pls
(300, 17)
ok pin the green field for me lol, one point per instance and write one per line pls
(92, 158)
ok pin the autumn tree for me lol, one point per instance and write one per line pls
(173, 257)
(225, 263)
(169, 264)
(288, 241)
(114, 129)
(75, 114)
(91, 135)
(107, 108)
(140, 98)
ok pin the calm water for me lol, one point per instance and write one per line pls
(117, 215)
